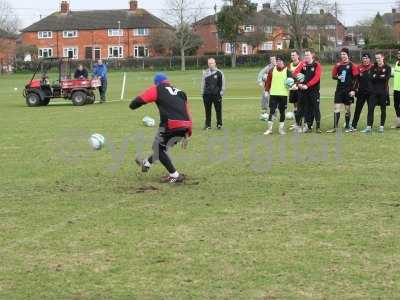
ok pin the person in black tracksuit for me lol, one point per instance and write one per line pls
(175, 123)
(380, 76)
(309, 89)
(212, 89)
(364, 88)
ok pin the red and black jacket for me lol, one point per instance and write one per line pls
(312, 74)
(351, 72)
(172, 104)
(380, 76)
(364, 79)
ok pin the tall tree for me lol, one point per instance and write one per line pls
(182, 14)
(163, 41)
(297, 13)
(9, 21)
(379, 32)
(362, 30)
(230, 21)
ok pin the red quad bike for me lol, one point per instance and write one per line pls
(39, 92)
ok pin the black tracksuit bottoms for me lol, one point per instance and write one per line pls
(362, 98)
(209, 100)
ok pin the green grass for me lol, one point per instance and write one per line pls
(321, 221)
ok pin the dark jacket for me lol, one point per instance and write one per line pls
(364, 80)
(81, 74)
(380, 77)
(172, 104)
(213, 83)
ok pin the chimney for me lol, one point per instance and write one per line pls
(133, 5)
(394, 11)
(64, 7)
(321, 12)
(266, 6)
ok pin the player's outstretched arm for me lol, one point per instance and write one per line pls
(148, 96)
(136, 103)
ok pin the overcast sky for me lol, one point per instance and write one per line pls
(30, 11)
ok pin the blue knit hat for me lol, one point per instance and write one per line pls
(159, 77)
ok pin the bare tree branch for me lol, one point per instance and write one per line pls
(9, 21)
(297, 13)
(182, 14)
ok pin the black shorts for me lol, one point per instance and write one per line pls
(279, 102)
(343, 97)
(294, 96)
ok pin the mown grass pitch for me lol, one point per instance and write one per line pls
(309, 217)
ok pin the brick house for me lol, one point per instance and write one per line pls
(325, 25)
(265, 21)
(393, 20)
(206, 28)
(8, 46)
(273, 25)
(95, 34)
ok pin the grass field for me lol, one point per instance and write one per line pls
(308, 217)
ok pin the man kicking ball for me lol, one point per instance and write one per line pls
(175, 123)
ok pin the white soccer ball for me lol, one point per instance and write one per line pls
(15, 89)
(264, 117)
(97, 141)
(289, 82)
(300, 77)
(148, 121)
(290, 115)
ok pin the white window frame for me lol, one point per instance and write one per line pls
(45, 34)
(120, 50)
(245, 49)
(75, 52)
(141, 31)
(267, 46)
(69, 34)
(49, 52)
(248, 28)
(94, 52)
(228, 48)
(146, 50)
(115, 32)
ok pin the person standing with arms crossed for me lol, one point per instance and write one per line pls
(212, 90)
(380, 76)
